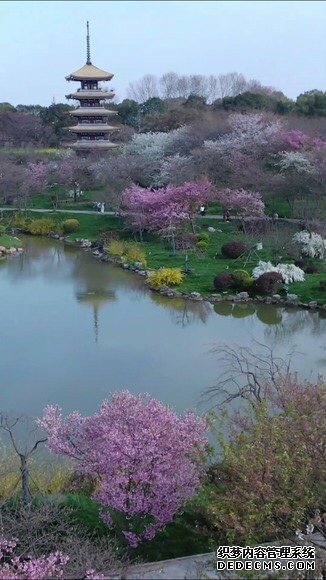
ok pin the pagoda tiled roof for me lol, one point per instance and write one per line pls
(85, 145)
(95, 94)
(89, 72)
(92, 128)
(92, 112)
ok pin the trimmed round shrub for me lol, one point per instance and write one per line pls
(69, 226)
(311, 269)
(233, 249)
(301, 263)
(223, 281)
(241, 279)
(202, 245)
(203, 237)
(268, 283)
(307, 267)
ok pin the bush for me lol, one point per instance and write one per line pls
(116, 248)
(223, 281)
(168, 276)
(234, 249)
(134, 253)
(2, 230)
(301, 264)
(241, 279)
(203, 237)
(70, 226)
(106, 237)
(40, 227)
(311, 269)
(19, 221)
(268, 283)
(264, 489)
(322, 285)
(202, 245)
(186, 241)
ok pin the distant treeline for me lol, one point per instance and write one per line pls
(162, 104)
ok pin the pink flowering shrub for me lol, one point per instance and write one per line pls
(13, 567)
(147, 460)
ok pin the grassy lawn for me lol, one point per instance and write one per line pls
(184, 536)
(204, 266)
(10, 241)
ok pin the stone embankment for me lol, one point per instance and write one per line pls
(9, 251)
(240, 297)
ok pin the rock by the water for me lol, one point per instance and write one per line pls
(195, 295)
(292, 297)
(242, 296)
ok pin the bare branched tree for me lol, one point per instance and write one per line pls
(247, 374)
(9, 426)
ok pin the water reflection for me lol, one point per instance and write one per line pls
(96, 299)
(56, 299)
(285, 321)
(184, 312)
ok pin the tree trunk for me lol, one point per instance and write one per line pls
(25, 479)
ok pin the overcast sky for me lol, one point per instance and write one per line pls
(280, 43)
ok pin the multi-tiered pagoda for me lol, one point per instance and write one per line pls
(91, 128)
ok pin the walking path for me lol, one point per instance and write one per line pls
(93, 212)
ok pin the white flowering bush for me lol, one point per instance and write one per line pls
(312, 244)
(296, 161)
(248, 130)
(154, 146)
(289, 272)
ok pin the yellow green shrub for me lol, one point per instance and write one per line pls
(134, 253)
(19, 221)
(70, 226)
(116, 248)
(168, 276)
(41, 227)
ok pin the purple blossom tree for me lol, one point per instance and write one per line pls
(171, 207)
(245, 203)
(147, 460)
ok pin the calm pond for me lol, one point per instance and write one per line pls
(74, 329)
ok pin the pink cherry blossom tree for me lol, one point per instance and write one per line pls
(147, 460)
(171, 207)
(245, 203)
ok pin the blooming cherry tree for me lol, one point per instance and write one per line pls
(167, 207)
(244, 202)
(249, 131)
(147, 459)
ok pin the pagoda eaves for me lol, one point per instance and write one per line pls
(92, 130)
